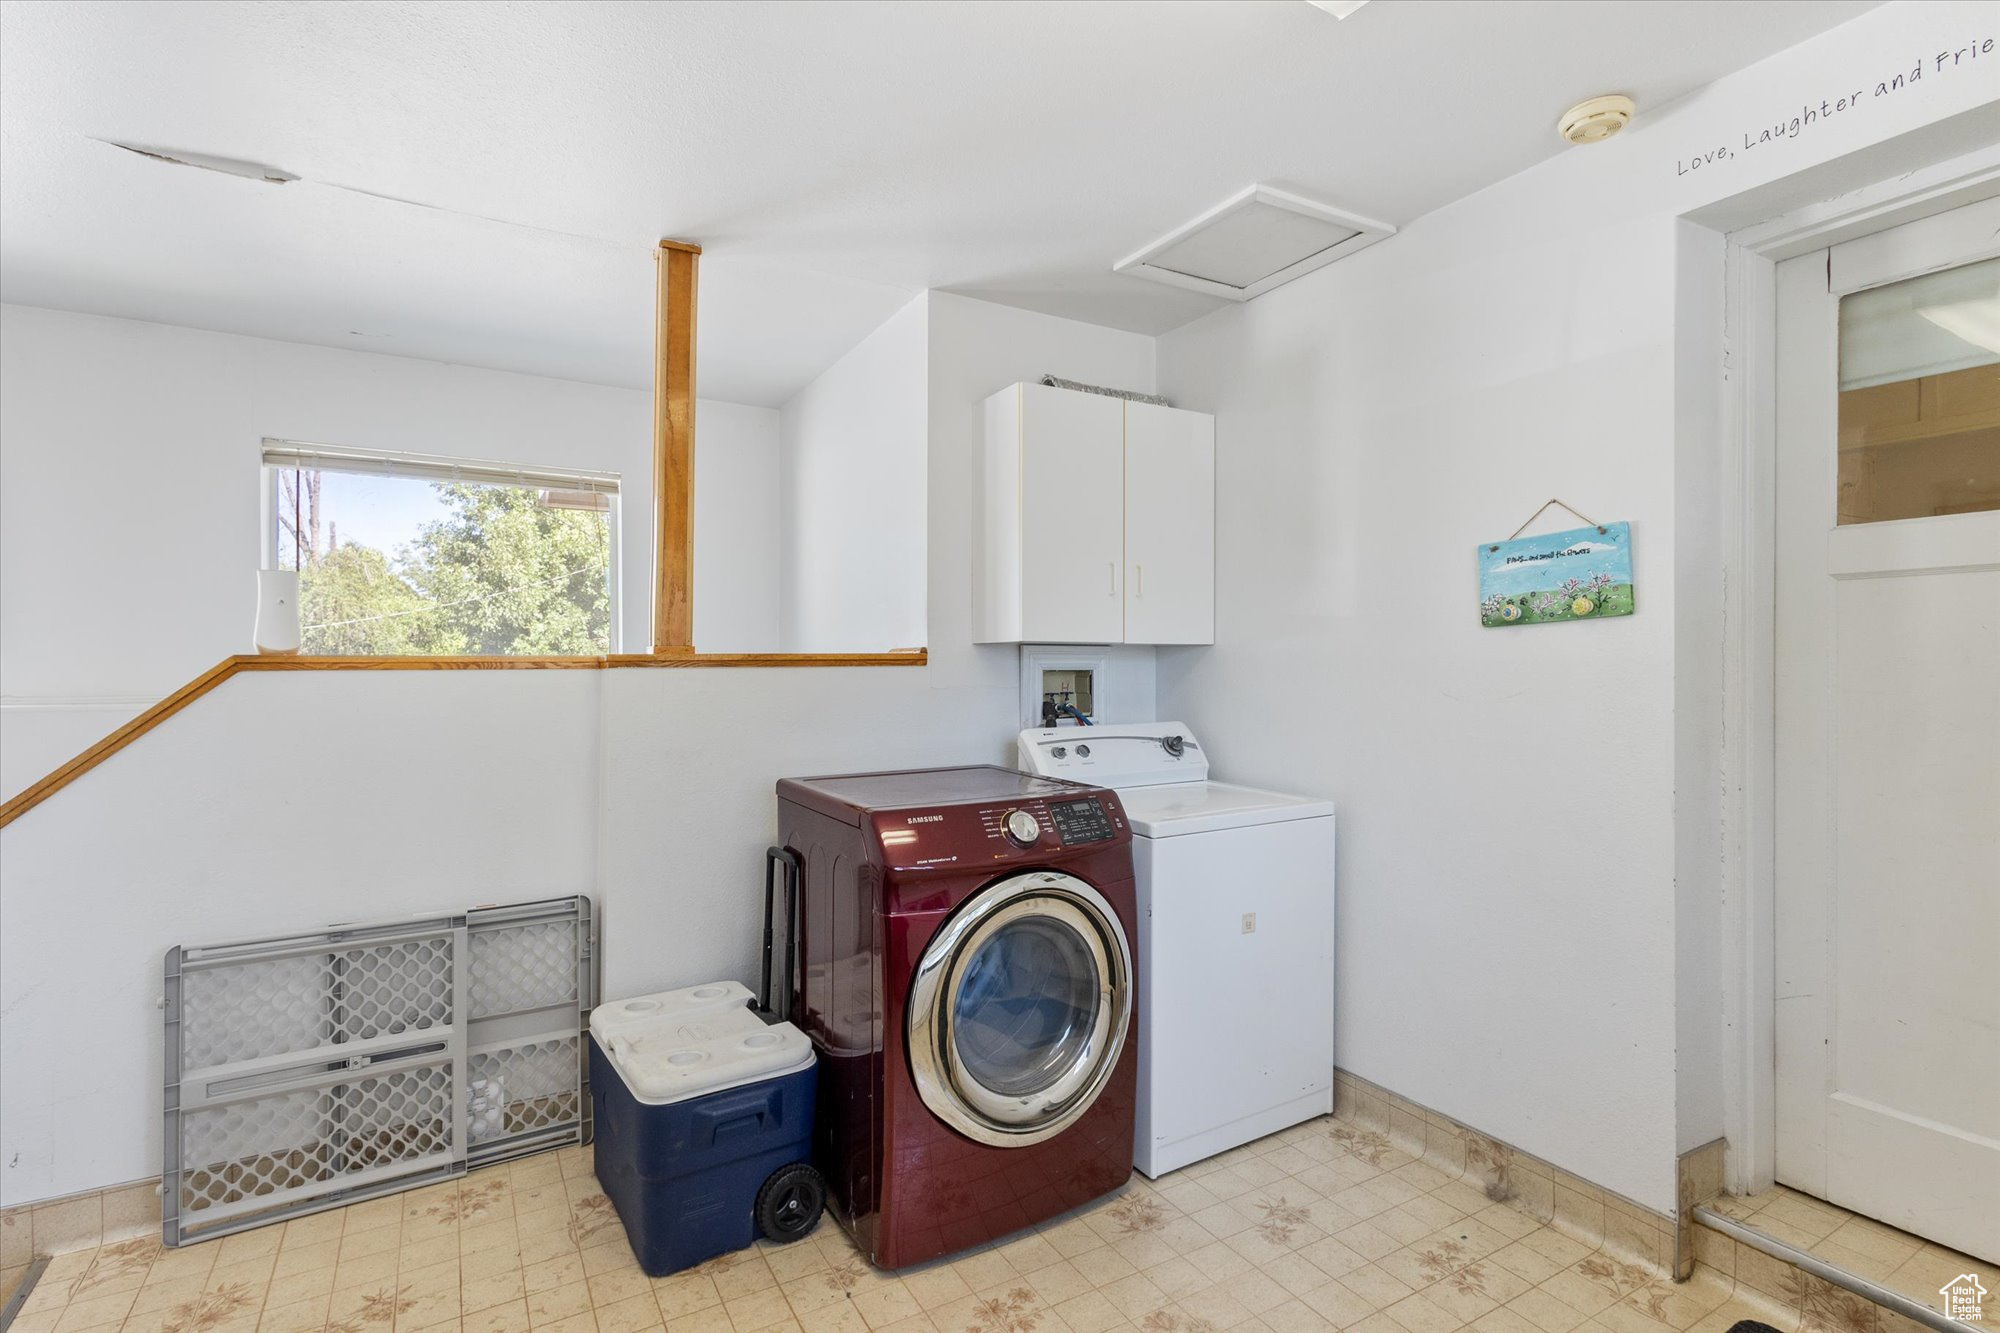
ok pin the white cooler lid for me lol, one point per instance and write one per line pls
(686, 1043)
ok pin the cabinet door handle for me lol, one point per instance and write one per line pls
(1139, 587)
(1114, 577)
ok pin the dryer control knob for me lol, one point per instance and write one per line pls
(1023, 828)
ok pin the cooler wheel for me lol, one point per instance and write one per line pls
(789, 1204)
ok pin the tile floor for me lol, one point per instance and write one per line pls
(1899, 1261)
(1325, 1226)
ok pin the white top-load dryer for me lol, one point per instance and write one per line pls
(1235, 947)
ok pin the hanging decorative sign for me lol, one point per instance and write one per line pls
(1583, 574)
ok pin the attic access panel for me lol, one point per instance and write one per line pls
(1254, 241)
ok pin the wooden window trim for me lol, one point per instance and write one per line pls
(673, 599)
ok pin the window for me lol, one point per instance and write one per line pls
(407, 554)
(1920, 396)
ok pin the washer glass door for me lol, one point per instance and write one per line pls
(1020, 1008)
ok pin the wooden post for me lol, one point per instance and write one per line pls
(673, 447)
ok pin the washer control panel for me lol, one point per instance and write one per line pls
(1116, 755)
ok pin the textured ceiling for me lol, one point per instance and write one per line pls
(482, 183)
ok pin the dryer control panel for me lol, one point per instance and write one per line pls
(1021, 827)
(1080, 821)
(1020, 830)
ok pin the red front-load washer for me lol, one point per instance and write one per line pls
(965, 954)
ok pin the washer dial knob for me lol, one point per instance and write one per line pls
(1022, 828)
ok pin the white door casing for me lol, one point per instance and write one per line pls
(1887, 809)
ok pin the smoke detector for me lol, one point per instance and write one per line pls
(1251, 242)
(1596, 119)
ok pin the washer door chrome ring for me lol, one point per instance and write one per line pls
(947, 1087)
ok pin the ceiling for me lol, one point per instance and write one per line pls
(482, 184)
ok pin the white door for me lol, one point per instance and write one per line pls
(1888, 727)
(1169, 525)
(1072, 536)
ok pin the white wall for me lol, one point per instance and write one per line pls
(157, 431)
(1697, 698)
(130, 527)
(736, 528)
(284, 801)
(853, 477)
(1517, 914)
(276, 802)
(38, 734)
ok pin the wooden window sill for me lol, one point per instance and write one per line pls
(483, 662)
(33, 795)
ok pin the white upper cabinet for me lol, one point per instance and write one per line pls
(1095, 521)
(1169, 525)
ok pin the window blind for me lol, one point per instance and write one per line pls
(431, 467)
(1928, 325)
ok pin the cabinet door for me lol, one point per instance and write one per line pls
(1072, 525)
(1169, 525)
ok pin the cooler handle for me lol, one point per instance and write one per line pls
(794, 867)
(747, 1110)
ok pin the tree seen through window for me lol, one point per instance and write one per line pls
(396, 565)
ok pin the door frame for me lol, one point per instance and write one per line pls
(1748, 454)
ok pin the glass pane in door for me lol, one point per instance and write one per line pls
(1920, 396)
(1026, 1006)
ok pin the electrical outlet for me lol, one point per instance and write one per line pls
(1249, 923)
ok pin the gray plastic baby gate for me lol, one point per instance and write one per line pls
(316, 1070)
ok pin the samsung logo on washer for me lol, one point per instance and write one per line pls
(925, 819)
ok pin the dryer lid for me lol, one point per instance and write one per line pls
(848, 796)
(678, 1044)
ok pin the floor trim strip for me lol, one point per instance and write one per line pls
(20, 1296)
(1820, 1268)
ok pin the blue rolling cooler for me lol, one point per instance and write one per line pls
(704, 1124)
